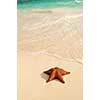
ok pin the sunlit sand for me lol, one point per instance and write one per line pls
(49, 38)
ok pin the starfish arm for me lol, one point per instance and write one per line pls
(59, 77)
(63, 72)
(52, 76)
(67, 72)
(49, 71)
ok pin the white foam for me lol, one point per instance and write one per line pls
(78, 1)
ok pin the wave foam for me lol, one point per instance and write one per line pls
(78, 1)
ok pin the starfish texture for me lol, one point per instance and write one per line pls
(56, 73)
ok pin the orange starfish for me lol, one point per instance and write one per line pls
(56, 73)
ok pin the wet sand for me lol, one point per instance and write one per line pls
(49, 38)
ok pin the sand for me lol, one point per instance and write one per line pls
(49, 38)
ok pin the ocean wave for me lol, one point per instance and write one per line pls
(49, 3)
(79, 1)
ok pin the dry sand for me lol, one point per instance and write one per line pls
(49, 38)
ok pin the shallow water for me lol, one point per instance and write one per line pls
(53, 27)
(49, 3)
(57, 34)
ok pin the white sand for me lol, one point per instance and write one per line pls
(47, 39)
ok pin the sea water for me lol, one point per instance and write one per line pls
(49, 3)
(35, 28)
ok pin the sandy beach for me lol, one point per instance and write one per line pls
(49, 38)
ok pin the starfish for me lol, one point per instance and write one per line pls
(56, 73)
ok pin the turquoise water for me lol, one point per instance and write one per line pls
(48, 3)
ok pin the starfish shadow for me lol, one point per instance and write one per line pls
(44, 76)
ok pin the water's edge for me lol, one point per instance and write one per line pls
(22, 4)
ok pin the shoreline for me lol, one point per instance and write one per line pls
(40, 31)
(51, 8)
(63, 10)
(45, 40)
